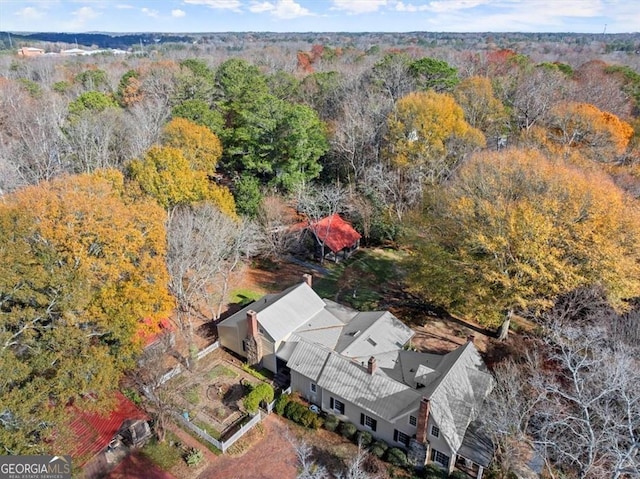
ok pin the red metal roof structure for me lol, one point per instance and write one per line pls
(335, 232)
(92, 432)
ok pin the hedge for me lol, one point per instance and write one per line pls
(397, 457)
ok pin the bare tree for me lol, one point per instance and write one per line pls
(144, 122)
(276, 219)
(205, 248)
(148, 377)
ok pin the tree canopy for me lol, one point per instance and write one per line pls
(166, 175)
(513, 230)
(81, 267)
(198, 144)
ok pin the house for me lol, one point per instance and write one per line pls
(356, 365)
(334, 237)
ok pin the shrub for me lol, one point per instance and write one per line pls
(431, 471)
(457, 475)
(317, 422)
(281, 404)
(348, 430)
(262, 392)
(306, 418)
(378, 448)
(132, 395)
(331, 423)
(364, 438)
(194, 457)
(397, 457)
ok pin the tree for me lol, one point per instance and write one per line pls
(92, 101)
(206, 247)
(166, 175)
(198, 144)
(80, 268)
(597, 134)
(433, 74)
(482, 110)
(428, 133)
(276, 141)
(275, 220)
(514, 230)
(198, 111)
(391, 75)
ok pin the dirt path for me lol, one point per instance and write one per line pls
(271, 457)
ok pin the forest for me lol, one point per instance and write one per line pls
(507, 167)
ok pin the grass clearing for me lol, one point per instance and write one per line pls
(244, 296)
(163, 454)
(192, 395)
(221, 371)
(360, 281)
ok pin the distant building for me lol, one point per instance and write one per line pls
(30, 52)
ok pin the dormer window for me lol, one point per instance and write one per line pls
(435, 431)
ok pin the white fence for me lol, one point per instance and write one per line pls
(208, 349)
(222, 445)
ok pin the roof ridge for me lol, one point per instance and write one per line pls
(463, 348)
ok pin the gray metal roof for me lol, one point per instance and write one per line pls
(281, 314)
(458, 393)
(308, 359)
(350, 380)
(371, 333)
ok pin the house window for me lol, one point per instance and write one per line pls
(336, 405)
(440, 458)
(435, 431)
(314, 387)
(368, 422)
(401, 437)
(413, 421)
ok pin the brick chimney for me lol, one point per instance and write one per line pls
(308, 279)
(253, 342)
(252, 323)
(471, 338)
(423, 419)
(372, 365)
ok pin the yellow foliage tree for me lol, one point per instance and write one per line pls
(165, 174)
(513, 230)
(481, 108)
(199, 145)
(427, 131)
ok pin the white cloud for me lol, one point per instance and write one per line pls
(217, 4)
(123, 6)
(150, 12)
(261, 7)
(29, 13)
(358, 6)
(409, 7)
(455, 5)
(282, 9)
(177, 13)
(84, 14)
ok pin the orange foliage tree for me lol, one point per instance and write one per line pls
(81, 267)
(599, 135)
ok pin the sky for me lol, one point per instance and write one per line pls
(584, 16)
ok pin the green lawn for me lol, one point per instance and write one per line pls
(221, 371)
(163, 454)
(360, 282)
(244, 296)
